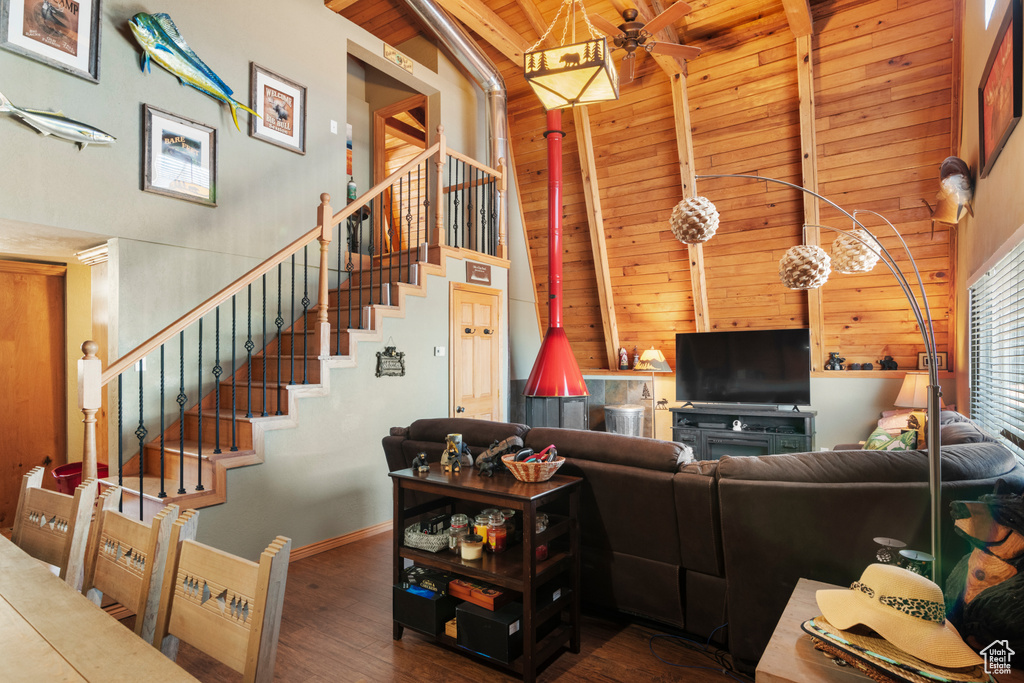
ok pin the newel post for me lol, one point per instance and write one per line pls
(503, 208)
(442, 156)
(90, 372)
(324, 215)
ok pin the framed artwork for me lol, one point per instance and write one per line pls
(999, 94)
(64, 34)
(281, 104)
(179, 157)
(940, 358)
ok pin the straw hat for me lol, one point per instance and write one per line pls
(905, 608)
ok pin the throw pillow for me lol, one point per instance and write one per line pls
(881, 440)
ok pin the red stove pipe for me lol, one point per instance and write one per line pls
(555, 372)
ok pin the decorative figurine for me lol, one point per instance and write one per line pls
(662, 404)
(636, 357)
(867, 366)
(853, 366)
(490, 461)
(834, 362)
(888, 363)
(419, 463)
(646, 393)
(455, 466)
(623, 359)
(452, 450)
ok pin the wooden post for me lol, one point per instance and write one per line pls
(323, 217)
(90, 371)
(503, 212)
(442, 154)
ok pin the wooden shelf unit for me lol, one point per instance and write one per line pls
(516, 571)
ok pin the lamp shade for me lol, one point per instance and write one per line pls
(914, 392)
(571, 75)
(804, 266)
(652, 360)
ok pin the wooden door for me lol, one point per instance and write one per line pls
(476, 352)
(33, 427)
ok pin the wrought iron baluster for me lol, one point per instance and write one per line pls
(120, 441)
(217, 371)
(199, 409)
(391, 255)
(483, 214)
(426, 209)
(163, 493)
(494, 217)
(337, 299)
(279, 322)
(305, 314)
(263, 341)
(459, 218)
(141, 432)
(234, 394)
(182, 398)
(350, 269)
(402, 277)
(470, 215)
(291, 376)
(448, 198)
(249, 346)
(373, 238)
(390, 242)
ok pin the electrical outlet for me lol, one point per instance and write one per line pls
(438, 350)
(334, 127)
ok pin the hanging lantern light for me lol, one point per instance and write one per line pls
(804, 266)
(694, 220)
(574, 74)
(852, 253)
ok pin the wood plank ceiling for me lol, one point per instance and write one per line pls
(884, 117)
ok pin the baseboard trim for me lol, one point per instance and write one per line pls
(338, 541)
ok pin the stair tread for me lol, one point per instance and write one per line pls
(151, 486)
(192, 447)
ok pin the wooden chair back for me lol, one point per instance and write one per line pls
(226, 606)
(54, 527)
(127, 558)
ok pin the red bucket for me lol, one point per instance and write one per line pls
(70, 476)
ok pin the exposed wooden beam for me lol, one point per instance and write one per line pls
(798, 12)
(591, 192)
(684, 147)
(809, 157)
(339, 5)
(489, 26)
(670, 65)
(533, 15)
(405, 132)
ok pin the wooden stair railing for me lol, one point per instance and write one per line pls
(366, 258)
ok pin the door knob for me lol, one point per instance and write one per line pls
(487, 331)
(469, 330)
(459, 409)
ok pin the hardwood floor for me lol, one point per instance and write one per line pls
(336, 626)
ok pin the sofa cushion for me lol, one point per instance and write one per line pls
(960, 462)
(474, 432)
(962, 432)
(614, 449)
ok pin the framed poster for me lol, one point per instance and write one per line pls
(940, 359)
(64, 34)
(179, 158)
(281, 104)
(999, 93)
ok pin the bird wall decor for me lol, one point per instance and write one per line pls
(956, 189)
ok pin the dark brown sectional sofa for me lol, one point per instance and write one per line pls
(698, 545)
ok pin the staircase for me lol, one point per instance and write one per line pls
(185, 460)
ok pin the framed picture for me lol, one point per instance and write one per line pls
(180, 157)
(64, 34)
(281, 104)
(999, 94)
(940, 358)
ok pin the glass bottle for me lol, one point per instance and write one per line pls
(457, 531)
(480, 526)
(514, 533)
(497, 534)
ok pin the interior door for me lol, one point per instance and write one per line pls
(32, 375)
(476, 352)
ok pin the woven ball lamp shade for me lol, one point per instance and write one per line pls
(694, 220)
(804, 266)
(850, 255)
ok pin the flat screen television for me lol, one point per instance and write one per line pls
(744, 366)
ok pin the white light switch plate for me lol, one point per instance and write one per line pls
(334, 127)
(438, 350)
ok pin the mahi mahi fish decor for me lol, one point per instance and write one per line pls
(161, 42)
(57, 125)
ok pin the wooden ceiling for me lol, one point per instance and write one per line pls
(885, 114)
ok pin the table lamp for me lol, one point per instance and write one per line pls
(652, 360)
(914, 394)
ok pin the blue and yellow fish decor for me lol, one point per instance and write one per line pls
(162, 42)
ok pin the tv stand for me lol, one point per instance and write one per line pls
(709, 431)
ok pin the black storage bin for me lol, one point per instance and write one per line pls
(422, 613)
(497, 634)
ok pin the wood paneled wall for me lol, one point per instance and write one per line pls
(883, 119)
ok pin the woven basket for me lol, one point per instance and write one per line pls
(414, 538)
(532, 471)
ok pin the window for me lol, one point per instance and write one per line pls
(997, 350)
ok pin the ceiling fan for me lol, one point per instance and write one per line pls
(633, 33)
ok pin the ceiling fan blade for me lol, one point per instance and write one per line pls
(674, 50)
(602, 24)
(669, 16)
(621, 6)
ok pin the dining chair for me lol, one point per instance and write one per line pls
(54, 527)
(126, 560)
(224, 605)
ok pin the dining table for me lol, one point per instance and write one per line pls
(50, 632)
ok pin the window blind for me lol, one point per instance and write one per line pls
(997, 350)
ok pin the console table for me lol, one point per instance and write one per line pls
(516, 569)
(708, 430)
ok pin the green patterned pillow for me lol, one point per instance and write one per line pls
(881, 440)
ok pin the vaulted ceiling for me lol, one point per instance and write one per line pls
(879, 113)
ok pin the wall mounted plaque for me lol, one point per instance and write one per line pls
(391, 362)
(478, 273)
